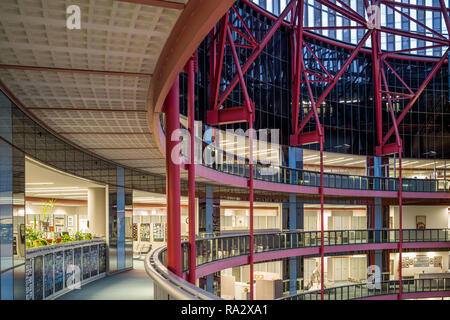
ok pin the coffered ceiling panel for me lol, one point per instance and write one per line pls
(88, 85)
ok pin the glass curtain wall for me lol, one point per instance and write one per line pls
(348, 113)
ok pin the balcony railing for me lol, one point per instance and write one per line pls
(362, 290)
(307, 178)
(238, 166)
(229, 246)
(216, 248)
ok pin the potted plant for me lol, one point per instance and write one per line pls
(33, 238)
(46, 211)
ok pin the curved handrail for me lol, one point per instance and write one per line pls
(216, 248)
(169, 282)
(362, 290)
(240, 167)
(229, 246)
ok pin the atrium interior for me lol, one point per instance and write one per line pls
(225, 150)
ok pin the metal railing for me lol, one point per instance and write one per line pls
(222, 247)
(235, 165)
(363, 290)
(168, 283)
(307, 178)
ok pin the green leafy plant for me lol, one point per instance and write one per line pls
(32, 234)
(46, 211)
(66, 238)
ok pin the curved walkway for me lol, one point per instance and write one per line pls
(128, 285)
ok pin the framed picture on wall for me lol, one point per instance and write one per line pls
(59, 221)
(421, 222)
(70, 221)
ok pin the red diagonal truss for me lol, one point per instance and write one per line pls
(292, 18)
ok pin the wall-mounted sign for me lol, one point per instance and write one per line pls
(421, 261)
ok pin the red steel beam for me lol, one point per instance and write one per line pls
(385, 53)
(239, 71)
(346, 13)
(335, 80)
(218, 67)
(391, 109)
(334, 28)
(212, 63)
(255, 53)
(313, 103)
(407, 34)
(398, 76)
(191, 170)
(251, 196)
(416, 96)
(400, 221)
(245, 26)
(297, 64)
(445, 15)
(411, 6)
(322, 240)
(67, 70)
(270, 16)
(318, 61)
(376, 64)
(416, 21)
(349, 9)
(173, 187)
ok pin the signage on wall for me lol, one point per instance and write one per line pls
(421, 262)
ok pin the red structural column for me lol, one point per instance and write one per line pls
(251, 206)
(376, 64)
(400, 221)
(321, 221)
(191, 169)
(172, 111)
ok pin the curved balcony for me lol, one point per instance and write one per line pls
(278, 245)
(234, 170)
(411, 289)
(167, 284)
(217, 253)
(307, 178)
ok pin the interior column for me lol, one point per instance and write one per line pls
(295, 215)
(172, 111)
(97, 211)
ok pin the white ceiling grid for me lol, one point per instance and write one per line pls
(114, 36)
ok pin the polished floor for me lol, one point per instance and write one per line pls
(129, 285)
